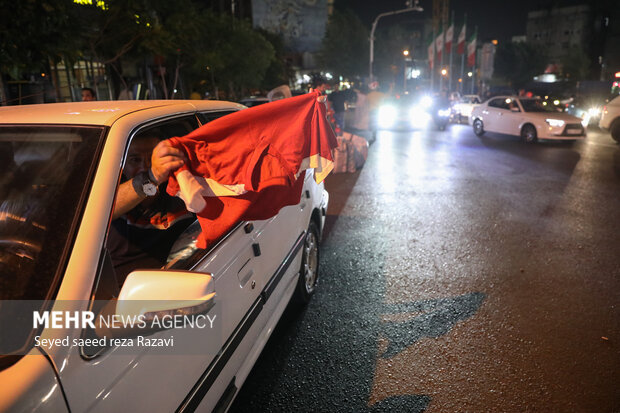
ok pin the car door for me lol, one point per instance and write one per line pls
(512, 118)
(493, 114)
(156, 379)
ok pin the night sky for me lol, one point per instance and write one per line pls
(496, 19)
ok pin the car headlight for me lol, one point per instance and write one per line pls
(594, 111)
(443, 112)
(387, 115)
(426, 101)
(555, 122)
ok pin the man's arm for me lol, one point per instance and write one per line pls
(164, 159)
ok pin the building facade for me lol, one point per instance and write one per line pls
(301, 23)
(559, 30)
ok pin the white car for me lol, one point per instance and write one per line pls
(529, 118)
(610, 118)
(463, 108)
(60, 168)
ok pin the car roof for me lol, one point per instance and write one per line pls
(100, 112)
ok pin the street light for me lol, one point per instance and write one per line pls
(444, 72)
(406, 54)
(415, 7)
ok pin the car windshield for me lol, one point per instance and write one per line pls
(535, 105)
(43, 176)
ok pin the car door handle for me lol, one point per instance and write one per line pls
(256, 249)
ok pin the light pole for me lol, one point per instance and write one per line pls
(406, 55)
(415, 7)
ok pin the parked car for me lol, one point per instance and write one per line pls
(610, 118)
(461, 110)
(60, 170)
(526, 117)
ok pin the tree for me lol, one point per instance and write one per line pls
(576, 64)
(345, 46)
(112, 30)
(32, 34)
(390, 43)
(518, 63)
(237, 55)
(279, 72)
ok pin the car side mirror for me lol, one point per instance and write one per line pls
(150, 294)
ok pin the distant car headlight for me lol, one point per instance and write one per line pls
(556, 123)
(387, 115)
(426, 101)
(443, 112)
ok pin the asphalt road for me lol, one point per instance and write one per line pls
(459, 274)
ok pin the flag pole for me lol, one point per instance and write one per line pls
(433, 66)
(473, 69)
(443, 52)
(463, 55)
(451, 53)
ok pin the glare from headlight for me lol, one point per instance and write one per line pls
(586, 120)
(555, 122)
(594, 111)
(426, 101)
(444, 112)
(387, 116)
(418, 117)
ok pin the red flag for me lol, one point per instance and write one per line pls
(460, 44)
(250, 164)
(439, 45)
(471, 52)
(431, 54)
(449, 38)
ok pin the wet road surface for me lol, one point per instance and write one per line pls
(459, 274)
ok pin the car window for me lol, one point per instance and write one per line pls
(143, 237)
(535, 105)
(44, 177)
(206, 117)
(45, 174)
(498, 103)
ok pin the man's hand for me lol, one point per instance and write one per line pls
(165, 159)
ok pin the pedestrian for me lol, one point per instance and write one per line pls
(360, 119)
(88, 94)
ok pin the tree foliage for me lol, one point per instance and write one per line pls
(576, 64)
(345, 46)
(518, 63)
(182, 38)
(389, 47)
(33, 32)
